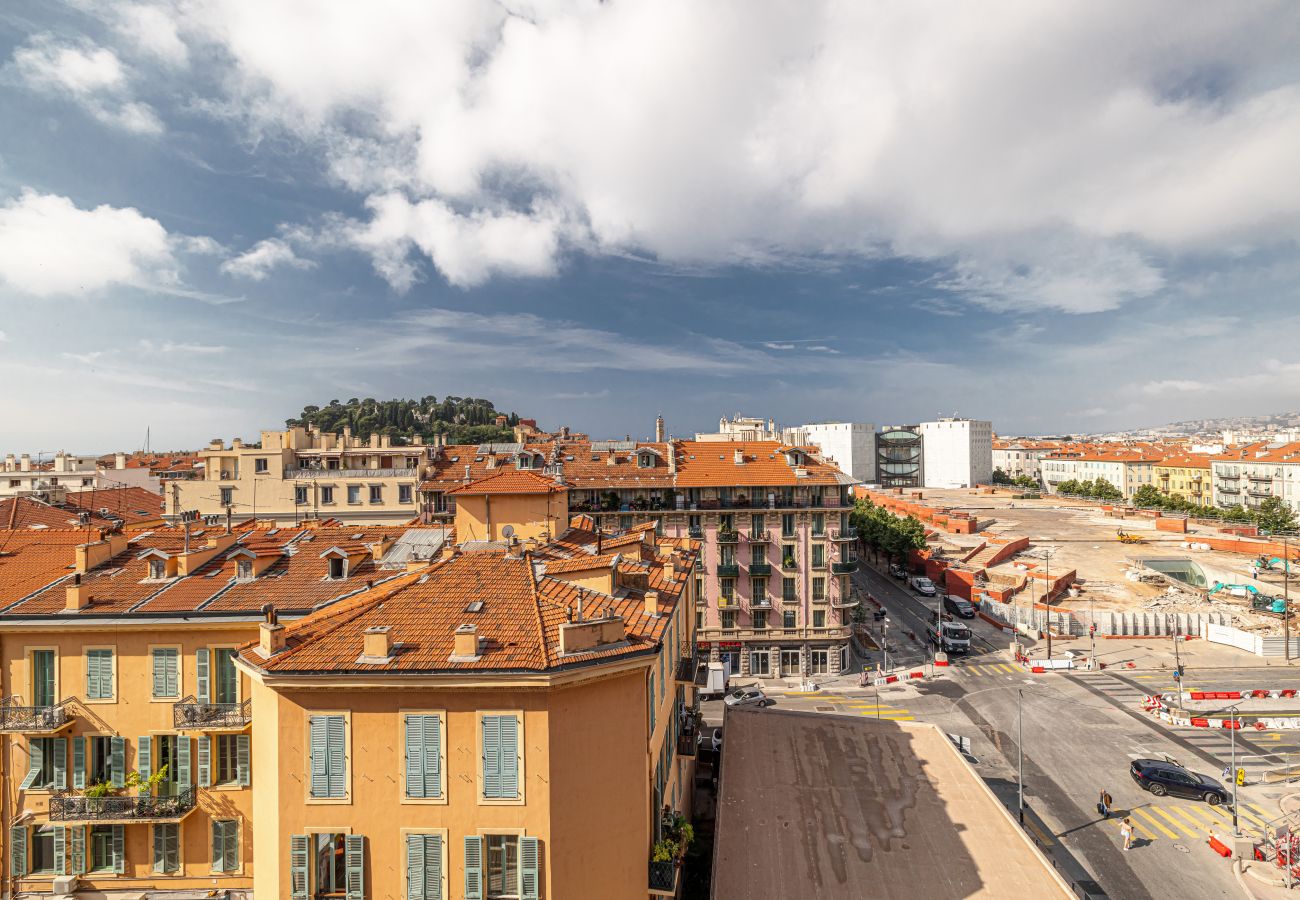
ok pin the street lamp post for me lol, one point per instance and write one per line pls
(1047, 600)
(1235, 831)
(1020, 752)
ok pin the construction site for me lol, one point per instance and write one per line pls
(1129, 571)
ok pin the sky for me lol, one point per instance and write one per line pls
(1064, 217)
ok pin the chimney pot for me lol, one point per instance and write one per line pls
(78, 595)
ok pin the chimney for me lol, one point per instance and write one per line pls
(78, 595)
(215, 444)
(380, 547)
(466, 646)
(659, 429)
(270, 638)
(740, 457)
(415, 564)
(385, 441)
(377, 642)
(670, 568)
(236, 443)
(652, 603)
(467, 479)
(374, 440)
(672, 459)
(25, 462)
(119, 460)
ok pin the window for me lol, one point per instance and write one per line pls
(403, 493)
(819, 556)
(226, 765)
(694, 526)
(756, 524)
(699, 589)
(330, 869)
(819, 618)
(757, 555)
(46, 765)
(225, 845)
(99, 762)
(169, 752)
(789, 662)
(99, 674)
(758, 591)
(423, 756)
(43, 689)
(787, 589)
(787, 525)
(225, 677)
(502, 866)
(760, 663)
(261, 465)
(166, 672)
(728, 618)
(726, 554)
(787, 556)
(328, 749)
(42, 851)
(157, 569)
(376, 493)
(106, 848)
(759, 619)
(300, 494)
(87, 482)
(227, 496)
(818, 589)
(500, 751)
(727, 590)
(820, 660)
(338, 567)
(424, 867)
(326, 494)
(354, 493)
(167, 847)
(819, 524)
(244, 569)
(789, 619)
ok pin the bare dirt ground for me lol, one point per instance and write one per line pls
(1081, 537)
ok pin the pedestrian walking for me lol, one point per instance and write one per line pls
(1126, 832)
(1104, 804)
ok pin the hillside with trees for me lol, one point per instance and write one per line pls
(464, 420)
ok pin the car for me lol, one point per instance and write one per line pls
(1163, 776)
(924, 586)
(959, 607)
(747, 697)
(898, 571)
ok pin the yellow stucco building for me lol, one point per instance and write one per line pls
(1186, 474)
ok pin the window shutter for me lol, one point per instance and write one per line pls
(76, 850)
(415, 870)
(205, 760)
(218, 846)
(159, 673)
(433, 867)
(117, 761)
(337, 757)
(47, 676)
(319, 767)
(299, 866)
(491, 756)
(528, 885)
(433, 757)
(60, 851)
(60, 746)
(119, 850)
(18, 851)
(416, 741)
(230, 853)
(201, 665)
(473, 867)
(78, 763)
(172, 658)
(159, 848)
(35, 758)
(244, 756)
(92, 674)
(183, 761)
(172, 848)
(509, 756)
(354, 860)
(144, 760)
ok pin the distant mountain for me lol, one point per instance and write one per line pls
(464, 420)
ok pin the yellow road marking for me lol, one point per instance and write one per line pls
(1244, 812)
(1138, 826)
(1190, 832)
(1209, 813)
(1003, 667)
(893, 718)
(1038, 831)
(1156, 822)
(1186, 813)
(1263, 812)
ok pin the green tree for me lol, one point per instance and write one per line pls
(1148, 496)
(1273, 515)
(1000, 477)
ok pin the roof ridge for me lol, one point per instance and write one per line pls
(537, 609)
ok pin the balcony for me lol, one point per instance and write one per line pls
(789, 564)
(844, 534)
(120, 810)
(1229, 490)
(695, 532)
(844, 568)
(34, 720)
(686, 745)
(1256, 476)
(190, 715)
(829, 632)
(789, 598)
(663, 878)
(760, 568)
(687, 663)
(728, 570)
(728, 537)
(848, 602)
(763, 602)
(1261, 492)
(759, 537)
(1226, 477)
(292, 474)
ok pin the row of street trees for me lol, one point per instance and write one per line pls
(1024, 481)
(1100, 489)
(1270, 515)
(884, 532)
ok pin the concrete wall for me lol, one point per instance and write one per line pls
(852, 445)
(958, 452)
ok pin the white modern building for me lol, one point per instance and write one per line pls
(958, 452)
(23, 476)
(850, 445)
(1249, 475)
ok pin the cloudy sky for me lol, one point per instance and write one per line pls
(1061, 216)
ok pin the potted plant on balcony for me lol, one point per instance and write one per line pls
(134, 781)
(788, 563)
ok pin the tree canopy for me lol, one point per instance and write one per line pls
(885, 532)
(464, 420)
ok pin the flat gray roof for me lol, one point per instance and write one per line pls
(825, 806)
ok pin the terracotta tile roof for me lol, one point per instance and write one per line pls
(518, 623)
(1186, 461)
(1261, 451)
(713, 464)
(30, 560)
(130, 504)
(103, 508)
(511, 482)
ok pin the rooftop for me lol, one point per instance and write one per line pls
(888, 805)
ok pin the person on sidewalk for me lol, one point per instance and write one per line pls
(1104, 804)
(1126, 832)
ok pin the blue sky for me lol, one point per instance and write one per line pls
(1062, 217)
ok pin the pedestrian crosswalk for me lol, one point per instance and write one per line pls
(1189, 821)
(879, 711)
(984, 670)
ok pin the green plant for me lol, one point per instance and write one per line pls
(134, 781)
(664, 851)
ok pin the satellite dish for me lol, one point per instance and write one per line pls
(508, 532)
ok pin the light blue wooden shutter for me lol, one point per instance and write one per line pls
(415, 876)
(415, 756)
(244, 758)
(78, 763)
(299, 866)
(218, 846)
(117, 761)
(337, 757)
(36, 757)
(76, 850)
(99, 674)
(172, 848)
(354, 861)
(473, 867)
(18, 851)
(528, 865)
(320, 780)
(433, 867)
(60, 851)
(60, 747)
(205, 760)
(491, 756)
(144, 760)
(183, 761)
(119, 850)
(509, 756)
(433, 756)
(159, 673)
(202, 691)
(230, 852)
(159, 848)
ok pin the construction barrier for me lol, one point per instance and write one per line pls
(1219, 847)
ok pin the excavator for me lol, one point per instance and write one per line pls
(1126, 537)
(1258, 601)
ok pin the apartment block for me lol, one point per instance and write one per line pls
(1250, 474)
(958, 452)
(1188, 475)
(849, 445)
(21, 476)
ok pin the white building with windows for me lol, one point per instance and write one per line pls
(958, 452)
(849, 445)
(23, 477)
(1249, 475)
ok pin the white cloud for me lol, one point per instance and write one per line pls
(50, 246)
(91, 76)
(258, 261)
(774, 345)
(153, 31)
(1052, 156)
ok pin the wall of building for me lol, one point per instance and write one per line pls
(958, 452)
(852, 445)
(481, 517)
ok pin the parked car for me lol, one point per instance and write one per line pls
(747, 697)
(898, 571)
(923, 586)
(1161, 777)
(959, 607)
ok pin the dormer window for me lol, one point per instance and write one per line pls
(244, 570)
(645, 460)
(338, 567)
(157, 569)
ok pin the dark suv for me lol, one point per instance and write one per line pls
(959, 607)
(1162, 777)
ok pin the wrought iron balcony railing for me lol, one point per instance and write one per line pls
(33, 719)
(760, 568)
(844, 568)
(69, 807)
(728, 570)
(189, 714)
(759, 537)
(663, 877)
(728, 537)
(844, 534)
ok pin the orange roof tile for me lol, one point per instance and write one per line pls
(511, 482)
